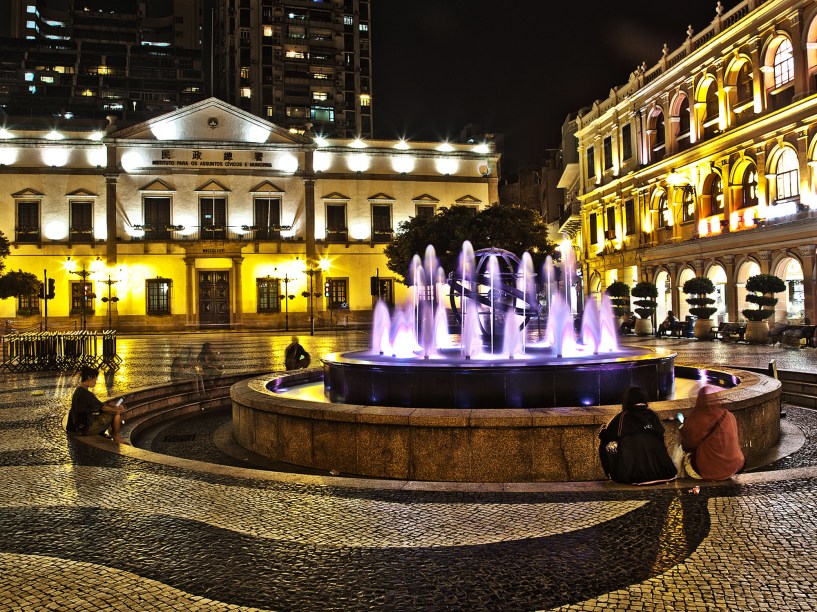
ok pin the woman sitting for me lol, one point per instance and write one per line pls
(709, 436)
(632, 448)
(666, 325)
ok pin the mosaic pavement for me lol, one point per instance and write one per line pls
(85, 529)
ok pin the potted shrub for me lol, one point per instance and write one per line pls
(762, 288)
(701, 305)
(619, 293)
(645, 307)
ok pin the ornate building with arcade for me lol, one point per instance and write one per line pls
(704, 164)
(209, 216)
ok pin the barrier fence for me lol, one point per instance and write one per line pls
(59, 350)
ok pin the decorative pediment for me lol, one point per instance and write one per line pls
(210, 120)
(266, 187)
(212, 185)
(81, 193)
(381, 197)
(467, 199)
(335, 196)
(28, 192)
(425, 199)
(157, 185)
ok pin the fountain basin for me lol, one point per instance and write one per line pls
(531, 381)
(470, 445)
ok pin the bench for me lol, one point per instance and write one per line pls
(725, 331)
(797, 335)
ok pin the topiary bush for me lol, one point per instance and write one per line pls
(700, 287)
(619, 293)
(762, 286)
(646, 305)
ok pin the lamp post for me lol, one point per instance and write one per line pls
(83, 274)
(285, 296)
(311, 272)
(110, 300)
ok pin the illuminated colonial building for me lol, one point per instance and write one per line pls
(211, 216)
(297, 62)
(704, 164)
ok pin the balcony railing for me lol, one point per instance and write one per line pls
(179, 233)
(27, 234)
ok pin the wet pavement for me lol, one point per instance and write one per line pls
(82, 528)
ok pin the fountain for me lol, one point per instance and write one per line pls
(493, 402)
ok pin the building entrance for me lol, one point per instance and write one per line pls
(214, 299)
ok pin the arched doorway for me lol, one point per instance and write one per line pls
(746, 271)
(594, 287)
(792, 304)
(664, 285)
(718, 277)
(683, 307)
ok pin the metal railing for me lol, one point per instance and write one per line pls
(59, 350)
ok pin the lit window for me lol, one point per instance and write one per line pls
(320, 96)
(267, 30)
(31, 9)
(32, 89)
(31, 25)
(663, 211)
(29, 76)
(269, 294)
(364, 27)
(103, 70)
(246, 92)
(750, 187)
(158, 296)
(716, 196)
(365, 100)
(348, 20)
(268, 111)
(47, 79)
(688, 204)
(324, 114)
(88, 93)
(244, 72)
(296, 54)
(320, 76)
(788, 175)
(783, 64)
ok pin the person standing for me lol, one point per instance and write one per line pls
(89, 416)
(295, 357)
(709, 437)
(632, 448)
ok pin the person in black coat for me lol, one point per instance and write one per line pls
(632, 446)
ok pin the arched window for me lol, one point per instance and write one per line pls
(659, 137)
(683, 125)
(783, 64)
(663, 211)
(712, 114)
(744, 88)
(688, 204)
(716, 196)
(787, 175)
(749, 183)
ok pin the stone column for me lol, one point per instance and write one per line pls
(110, 218)
(238, 294)
(189, 287)
(309, 218)
(809, 281)
(765, 259)
(731, 288)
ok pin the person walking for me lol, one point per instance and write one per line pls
(89, 416)
(295, 357)
(632, 448)
(709, 437)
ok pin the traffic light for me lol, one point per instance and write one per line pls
(326, 289)
(50, 294)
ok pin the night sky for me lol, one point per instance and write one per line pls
(518, 67)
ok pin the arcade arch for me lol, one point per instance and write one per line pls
(717, 275)
(791, 304)
(683, 307)
(746, 270)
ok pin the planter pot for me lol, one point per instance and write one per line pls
(757, 332)
(703, 329)
(643, 327)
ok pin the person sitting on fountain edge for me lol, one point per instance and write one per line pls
(88, 415)
(632, 448)
(666, 325)
(295, 357)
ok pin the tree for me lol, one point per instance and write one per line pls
(700, 287)
(763, 288)
(513, 228)
(619, 293)
(18, 284)
(647, 304)
(5, 250)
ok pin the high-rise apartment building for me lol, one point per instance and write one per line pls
(131, 58)
(295, 62)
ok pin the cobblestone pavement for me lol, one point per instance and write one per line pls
(86, 529)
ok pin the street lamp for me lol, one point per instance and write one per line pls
(285, 297)
(110, 300)
(311, 272)
(84, 274)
